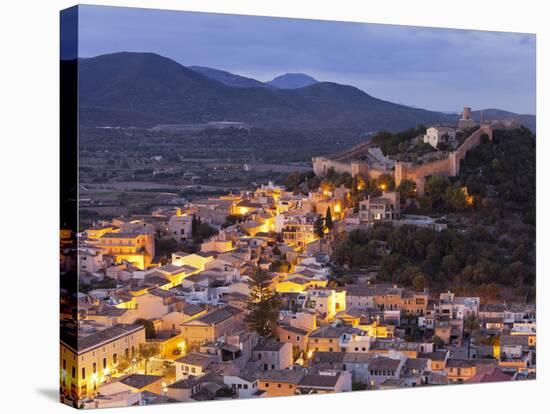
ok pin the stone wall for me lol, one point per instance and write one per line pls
(449, 166)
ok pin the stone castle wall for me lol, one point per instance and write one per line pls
(449, 166)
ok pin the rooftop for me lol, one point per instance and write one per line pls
(269, 345)
(139, 381)
(282, 375)
(93, 340)
(196, 359)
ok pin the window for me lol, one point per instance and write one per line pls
(83, 373)
(73, 372)
(272, 366)
(193, 370)
(290, 386)
(94, 368)
(64, 364)
(245, 386)
(104, 363)
(114, 358)
(279, 385)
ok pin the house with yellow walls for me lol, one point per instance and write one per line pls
(135, 248)
(175, 274)
(210, 326)
(195, 260)
(88, 360)
(171, 344)
(326, 302)
(95, 232)
(460, 370)
(296, 283)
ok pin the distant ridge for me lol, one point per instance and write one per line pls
(292, 81)
(146, 89)
(228, 78)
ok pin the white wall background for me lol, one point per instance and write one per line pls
(29, 201)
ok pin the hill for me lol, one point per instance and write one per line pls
(530, 121)
(145, 89)
(292, 81)
(229, 79)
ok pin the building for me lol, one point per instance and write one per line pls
(207, 328)
(440, 134)
(466, 121)
(386, 207)
(87, 360)
(135, 248)
(194, 363)
(331, 338)
(324, 382)
(245, 386)
(273, 355)
(299, 230)
(460, 370)
(181, 227)
(278, 383)
(383, 368)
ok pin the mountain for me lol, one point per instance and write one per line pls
(292, 81)
(145, 89)
(228, 78)
(530, 121)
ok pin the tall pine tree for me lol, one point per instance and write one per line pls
(328, 219)
(319, 227)
(263, 304)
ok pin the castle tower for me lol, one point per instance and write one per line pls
(466, 113)
(466, 120)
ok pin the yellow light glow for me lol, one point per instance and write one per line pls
(310, 354)
(337, 208)
(383, 187)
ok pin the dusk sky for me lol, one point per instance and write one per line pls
(437, 69)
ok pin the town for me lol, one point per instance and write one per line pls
(362, 274)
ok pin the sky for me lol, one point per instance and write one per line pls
(431, 68)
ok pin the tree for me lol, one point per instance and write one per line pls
(436, 186)
(457, 198)
(407, 188)
(419, 282)
(409, 274)
(263, 304)
(450, 264)
(438, 342)
(195, 221)
(149, 328)
(123, 365)
(471, 325)
(319, 227)
(146, 352)
(328, 219)
(204, 231)
(386, 182)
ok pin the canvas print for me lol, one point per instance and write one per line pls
(255, 207)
